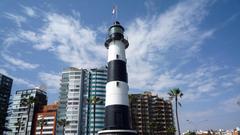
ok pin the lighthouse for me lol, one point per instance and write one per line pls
(117, 119)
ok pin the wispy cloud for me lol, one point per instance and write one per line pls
(18, 19)
(3, 71)
(160, 40)
(24, 82)
(206, 80)
(52, 81)
(18, 62)
(159, 46)
(68, 40)
(29, 11)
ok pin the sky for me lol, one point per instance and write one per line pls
(189, 44)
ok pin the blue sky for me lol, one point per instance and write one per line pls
(193, 45)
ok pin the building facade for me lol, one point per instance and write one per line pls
(96, 99)
(79, 88)
(19, 111)
(70, 100)
(151, 114)
(5, 90)
(46, 120)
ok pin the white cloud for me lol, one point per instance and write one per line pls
(16, 18)
(52, 81)
(157, 42)
(69, 40)
(206, 80)
(158, 47)
(166, 81)
(31, 36)
(22, 81)
(3, 71)
(10, 39)
(19, 63)
(29, 11)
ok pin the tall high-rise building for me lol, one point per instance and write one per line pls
(79, 88)
(46, 120)
(73, 84)
(5, 90)
(19, 115)
(151, 115)
(96, 99)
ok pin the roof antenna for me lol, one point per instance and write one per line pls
(114, 13)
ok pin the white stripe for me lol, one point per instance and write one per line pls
(116, 48)
(117, 95)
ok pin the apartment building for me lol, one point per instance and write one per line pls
(78, 89)
(151, 114)
(46, 120)
(5, 90)
(22, 116)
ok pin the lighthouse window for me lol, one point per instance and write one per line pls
(117, 56)
(117, 83)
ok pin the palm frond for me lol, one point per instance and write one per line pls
(181, 94)
(179, 104)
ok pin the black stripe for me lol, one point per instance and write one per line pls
(116, 36)
(117, 71)
(117, 117)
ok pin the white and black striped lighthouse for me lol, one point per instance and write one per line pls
(117, 119)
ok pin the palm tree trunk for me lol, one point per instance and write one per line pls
(94, 109)
(28, 112)
(63, 129)
(19, 126)
(41, 129)
(176, 107)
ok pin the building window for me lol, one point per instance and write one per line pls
(117, 56)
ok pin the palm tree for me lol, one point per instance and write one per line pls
(63, 123)
(42, 123)
(29, 101)
(174, 94)
(94, 101)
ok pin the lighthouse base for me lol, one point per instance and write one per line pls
(117, 132)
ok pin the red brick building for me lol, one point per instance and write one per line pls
(46, 120)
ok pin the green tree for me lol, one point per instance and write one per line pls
(94, 101)
(176, 93)
(190, 133)
(28, 102)
(63, 123)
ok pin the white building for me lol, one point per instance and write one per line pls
(78, 86)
